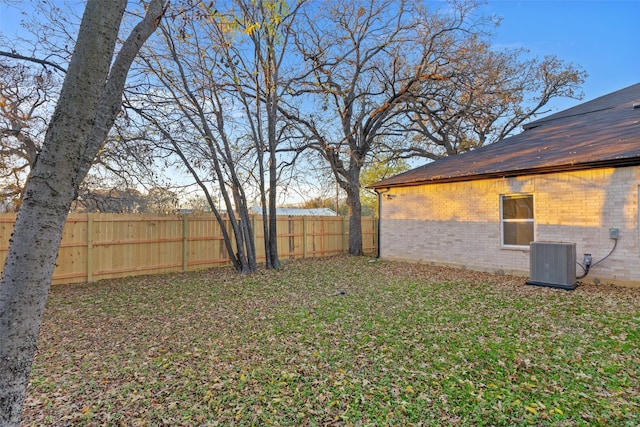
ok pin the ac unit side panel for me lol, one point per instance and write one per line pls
(553, 263)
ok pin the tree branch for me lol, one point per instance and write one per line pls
(31, 59)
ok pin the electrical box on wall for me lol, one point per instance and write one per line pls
(613, 233)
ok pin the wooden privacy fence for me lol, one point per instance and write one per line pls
(102, 246)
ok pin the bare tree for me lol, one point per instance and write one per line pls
(215, 92)
(394, 76)
(365, 59)
(89, 101)
(189, 112)
(33, 68)
(46, 38)
(485, 96)
(259, 68)
(26, 100)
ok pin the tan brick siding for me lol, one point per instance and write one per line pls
(459, 223)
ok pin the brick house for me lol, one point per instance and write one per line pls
(569, 177)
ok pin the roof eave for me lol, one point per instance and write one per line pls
(612, 163)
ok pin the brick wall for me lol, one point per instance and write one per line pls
(458, 224)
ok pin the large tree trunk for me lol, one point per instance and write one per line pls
(53, 183)
(355, 218)
(23, 292)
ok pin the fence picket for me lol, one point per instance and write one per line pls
(100, 246)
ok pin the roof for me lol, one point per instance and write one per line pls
(604, 132)
(299, 211)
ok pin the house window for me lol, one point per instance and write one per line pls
(517, 220)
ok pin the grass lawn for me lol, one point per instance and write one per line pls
(337, 342)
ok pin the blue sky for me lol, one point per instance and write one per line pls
(602, 36)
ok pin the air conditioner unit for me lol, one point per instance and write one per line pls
(553, 265)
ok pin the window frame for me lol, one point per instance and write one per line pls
(504, 221)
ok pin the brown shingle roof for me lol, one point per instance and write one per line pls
(604, 132)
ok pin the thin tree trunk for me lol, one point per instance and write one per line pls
(246, 227)
(273, 219)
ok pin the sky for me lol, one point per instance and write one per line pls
(601, 36)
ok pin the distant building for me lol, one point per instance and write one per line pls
(185, 211)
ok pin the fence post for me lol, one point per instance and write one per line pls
(89, 247)
(304, 236)
(185, 242)
(345, 234)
